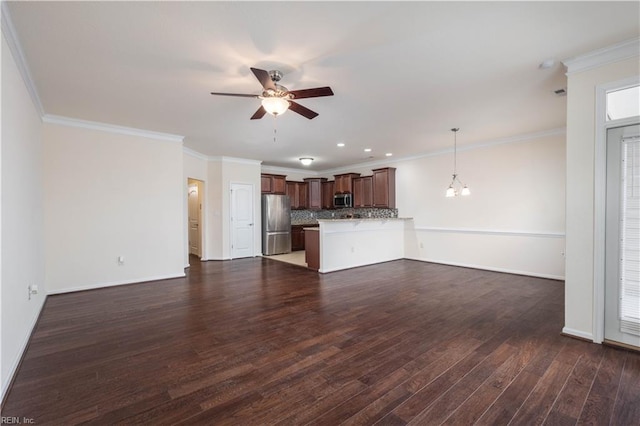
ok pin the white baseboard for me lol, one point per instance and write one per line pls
(116, 283)
(578, 333)
(490, 268)
(23, 346)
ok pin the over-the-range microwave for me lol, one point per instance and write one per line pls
(342, 200)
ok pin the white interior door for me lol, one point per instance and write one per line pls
(242, 223)
(622, 237)
(194, 207)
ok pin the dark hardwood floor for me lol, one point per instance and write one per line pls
(260, 342)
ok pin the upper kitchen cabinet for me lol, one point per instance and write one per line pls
(384, 187)
(344, 183)
(297, 192)
(272, 184)
(328, 190)
(363, 191)
(314, 192)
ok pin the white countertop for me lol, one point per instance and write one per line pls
(355, 219)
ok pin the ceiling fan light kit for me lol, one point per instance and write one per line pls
(274, 105)
(453, 189)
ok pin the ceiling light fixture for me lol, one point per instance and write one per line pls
(388, 154)
(275, 105)
(367, 150)
(306, 161)
(452, 191)
(340, 144)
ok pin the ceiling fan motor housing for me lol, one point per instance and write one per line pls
(275, 75)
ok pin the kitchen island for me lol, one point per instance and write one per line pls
(349, 243)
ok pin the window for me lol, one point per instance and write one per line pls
(623, 103)
(630, 238)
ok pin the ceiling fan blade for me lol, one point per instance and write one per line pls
(312, 93)
(234, 94)
(264, 78)
(304, 111)
(259, 113)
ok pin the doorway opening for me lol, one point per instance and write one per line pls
(194, 217)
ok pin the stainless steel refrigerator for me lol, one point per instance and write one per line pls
(276, 224)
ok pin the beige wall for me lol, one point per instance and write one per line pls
(513, 221)
(21, 230)
(110, 195)
(581, 137)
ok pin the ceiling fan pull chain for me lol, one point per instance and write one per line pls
(275, 131)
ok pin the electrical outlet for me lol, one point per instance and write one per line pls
(120, 260)
(353, 249)
(32, 289)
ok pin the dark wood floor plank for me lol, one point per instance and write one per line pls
(498, 363)
(536, 407)
(502, 410)
(627, 406)
(570, 400)
(506, 390)
(255, 341)
(600, 402)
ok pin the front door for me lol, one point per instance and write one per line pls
(622, 237)
(242, 224)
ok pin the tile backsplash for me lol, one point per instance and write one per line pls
(309, 216)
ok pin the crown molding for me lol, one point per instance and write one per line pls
(607, 55)
(285, 170)
(223, 159)
(194, 154)
(10, 35)
(220, 159)
(111, 128)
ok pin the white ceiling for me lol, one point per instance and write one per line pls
(403, 73)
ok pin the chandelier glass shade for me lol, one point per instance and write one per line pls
(275, 105)
(456, 187)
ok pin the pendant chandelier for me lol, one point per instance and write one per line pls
(456, 187)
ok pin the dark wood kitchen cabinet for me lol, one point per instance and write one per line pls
(384, 187)
(297, 192)
(328, 190)
(297, 237)
(272, 184)
(363, 191)
(344, 182)
(314, 192)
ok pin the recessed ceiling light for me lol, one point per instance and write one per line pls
(340, 144)
(367, 150)
(388, 154)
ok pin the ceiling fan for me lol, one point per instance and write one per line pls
(277, 99)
